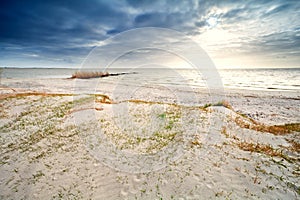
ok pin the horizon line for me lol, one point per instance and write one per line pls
(78, 68)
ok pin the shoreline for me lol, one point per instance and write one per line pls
(270, 107)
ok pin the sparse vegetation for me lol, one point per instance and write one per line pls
(274, 129)
(26, 94)
(135, 136)
(101, 98)
(242, 121)
(259, 148)
(43, 137)
(137, 101)
(295, 146)
(221, 103)
(87, 75)
(94, 74)
(37, 123)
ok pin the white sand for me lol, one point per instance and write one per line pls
(53, 149)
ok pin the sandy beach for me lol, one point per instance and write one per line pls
(149, 100)
(61, 139)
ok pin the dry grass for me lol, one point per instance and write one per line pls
(283, 129)
(137, 101)
(101, 98)
(274, 129)
(87, 75)
(295, 146)
(223, 103)
(254, 125)
(259, 148)
(25, 94)
(196, 141)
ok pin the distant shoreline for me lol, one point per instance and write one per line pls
(175, 68)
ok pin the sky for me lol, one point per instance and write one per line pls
(61, 33)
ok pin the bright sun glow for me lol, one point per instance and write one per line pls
(212, 22)
(217, 36)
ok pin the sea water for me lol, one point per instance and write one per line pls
(252, 79)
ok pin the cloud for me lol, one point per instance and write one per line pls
(278, 9)
(55, 29)
(48, 22)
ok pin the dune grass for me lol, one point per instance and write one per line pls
(87, 75)
(259, 148)
(223, 103)
(95, 74)
(274, 129)
(25, 94)
(254, 125)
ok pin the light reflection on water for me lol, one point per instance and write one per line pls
(254, 79)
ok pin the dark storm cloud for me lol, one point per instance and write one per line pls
(52, 28)
(48, 22)
(58, 29)
(155, 19)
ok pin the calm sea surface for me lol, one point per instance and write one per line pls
(254, 79)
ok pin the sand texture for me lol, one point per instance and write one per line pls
(58, 144)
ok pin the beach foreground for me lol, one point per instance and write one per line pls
(57, 144)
